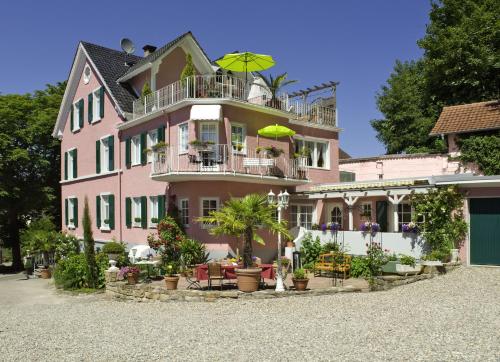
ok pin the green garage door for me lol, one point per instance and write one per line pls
(485, 231)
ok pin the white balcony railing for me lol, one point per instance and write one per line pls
(229, 87)
(223, 159)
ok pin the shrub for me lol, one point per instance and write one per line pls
(71, 273)
(359, 267)
(193, 252)
(168, 240)
(311, 249)
(300, 274)
(66, 245)
(407, 260)
(113, 247)
(331, 247)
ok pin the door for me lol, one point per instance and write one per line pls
(485, 231)
(382, 215)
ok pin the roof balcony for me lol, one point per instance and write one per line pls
(229, 88)
(220, 162)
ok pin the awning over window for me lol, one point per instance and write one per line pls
(205, 112)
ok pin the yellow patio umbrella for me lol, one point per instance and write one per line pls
(246, 62)
(275, 131)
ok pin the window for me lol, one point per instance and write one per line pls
(152, 140)
(105, 154)
(238, 137)
(184, 211)
(209, 132)
(207, 206)
(136, 150)
(86, 74)
(96, 105)
(153, 217)
(366, 210)
(105, 212)
(72, 213)
(336, 215)
(301, 215)
(317, 152)
(136, 211)
(75, 124)
(71, 164)
(404, 214)
(183, 138)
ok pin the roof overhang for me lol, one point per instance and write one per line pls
(467, 181)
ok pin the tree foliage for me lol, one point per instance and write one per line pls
(88, 240)
(460, 65)
(483, 150)
(29, 162)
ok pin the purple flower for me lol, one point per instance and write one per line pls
(323, 227)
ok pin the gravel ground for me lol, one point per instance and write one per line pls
(453, 317)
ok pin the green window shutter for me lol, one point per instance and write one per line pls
(80, 112)
(98, 210)
(128, 158)
(66, 212)
(75, 212)
(144, 212)
(75, 163)
(89, 107)
(111, 199)
(161, 207)
(98, 156)
(111, 145)
(101, 102)
(72, 118)
(161, 134)
(128, 212)
(65, 165)
(144, 156)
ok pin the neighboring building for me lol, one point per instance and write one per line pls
(380, 187)
(108, 133)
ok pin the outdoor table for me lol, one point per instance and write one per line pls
(149, 263)
(229, 271)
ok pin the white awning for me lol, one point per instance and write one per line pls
(206, 112)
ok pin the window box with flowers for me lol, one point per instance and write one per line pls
(201, 145)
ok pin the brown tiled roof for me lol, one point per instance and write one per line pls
(471, 117)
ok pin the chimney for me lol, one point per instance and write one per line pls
(148, 49)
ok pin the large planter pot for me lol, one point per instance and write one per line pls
(132, 278)
(454, 255)
(113, 256)
(300, 284)
(45, 273)
(172, 282)
(394, 267)
(248, 279)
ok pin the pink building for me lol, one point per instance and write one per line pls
(206, 127)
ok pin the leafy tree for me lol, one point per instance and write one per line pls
(88, 240)
(241, 218)
(146, 90)
(29, 162)
(275, 84)
(483, 150)
(460, 65)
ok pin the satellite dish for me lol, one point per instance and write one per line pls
(127, 46)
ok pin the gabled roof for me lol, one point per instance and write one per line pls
(159, 52)
(466, 118)
(111, 65)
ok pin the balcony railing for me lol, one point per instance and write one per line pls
(229, 87)
(222, 159)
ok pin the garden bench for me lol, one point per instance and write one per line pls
(335, 263)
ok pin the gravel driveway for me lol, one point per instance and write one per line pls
(453, 317)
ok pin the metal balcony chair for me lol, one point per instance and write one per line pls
(215, 273)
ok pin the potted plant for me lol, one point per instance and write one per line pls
(237, 146)
(137, 220)
(154, 220)
(300, 279)
(273, 151)
(241, 217)
(113, 249)
(171, 276)
(274, 84)
(404, 265)
(131, 273)
(258, 150)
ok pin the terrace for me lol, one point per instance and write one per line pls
(229, 88)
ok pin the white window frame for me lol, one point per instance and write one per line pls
(401, 213)
(135, 150)
(152, 139)
(96, 105)
(364, 207)
(105, 210)
(297, 222)
(209, 123)
(217, 205)
(314, 151)
(244, 136)
(70, 163)
(184, 207)
(86, 77)
(183, 137)
(71, 212)
(153, 210)
(104, 156)
(76, 116)
(329, 210)
(136, 211)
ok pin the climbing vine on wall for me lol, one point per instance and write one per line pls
(483, 150)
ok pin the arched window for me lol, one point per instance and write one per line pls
(336, 215)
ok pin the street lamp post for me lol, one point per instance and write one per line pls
(281, 204)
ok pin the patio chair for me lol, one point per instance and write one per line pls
(192, 279)
(193, 158)
(215, 273)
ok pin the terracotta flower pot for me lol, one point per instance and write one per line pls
(45, 273)
(132, 278)
(300, 284)
(290, 244)
(171, 282)
(248, 279)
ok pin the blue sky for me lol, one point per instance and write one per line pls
(353, 42)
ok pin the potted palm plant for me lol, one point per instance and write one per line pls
(241, 218)
(275, 84)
